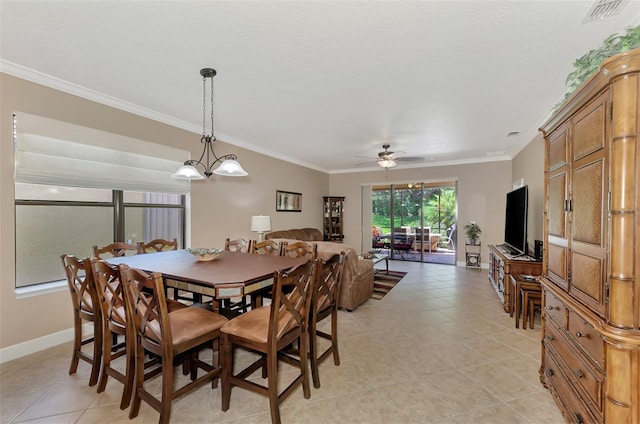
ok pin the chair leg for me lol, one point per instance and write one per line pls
(167, 391)
(334, 336)
(77, 344)
(525, 310)
(106, 361)
(313, 353)
(304, 343)
(135, 405)
(130, 374)
(227, 370)
(272, 371)
(97, 351)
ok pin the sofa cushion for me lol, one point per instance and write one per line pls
(303, 234)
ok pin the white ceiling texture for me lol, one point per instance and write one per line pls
(319, 83)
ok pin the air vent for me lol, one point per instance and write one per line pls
(604, 8)
(512, 133)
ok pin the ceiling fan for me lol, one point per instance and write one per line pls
(387, 159)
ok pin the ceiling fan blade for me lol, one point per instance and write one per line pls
(409, 159)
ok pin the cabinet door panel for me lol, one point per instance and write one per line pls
(557, 264)
(555, 206)
(588, 198)
(589, 128)
(587, 277)
(558, 148)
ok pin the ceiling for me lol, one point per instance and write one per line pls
(319, 83)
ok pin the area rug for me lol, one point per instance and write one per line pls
(383, 282)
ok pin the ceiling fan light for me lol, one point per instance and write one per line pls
(230, 168)
(387, 163)
(188, 172)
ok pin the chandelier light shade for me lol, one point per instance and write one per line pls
(387, 163)
(260, 224)
(229, 164)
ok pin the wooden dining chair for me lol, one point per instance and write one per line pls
(114, 250)
(157, 245)
(84, 298)
(236, 245)
(324, 304)
(269, 330)
(112, 302)
(265, 247)
(173, 337)
(300, 249)
(230, 307)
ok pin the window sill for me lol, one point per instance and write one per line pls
(41, 289)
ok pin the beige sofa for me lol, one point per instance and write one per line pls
(356, 285)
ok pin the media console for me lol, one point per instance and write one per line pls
(502, 265)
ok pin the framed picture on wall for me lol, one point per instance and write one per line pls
(287, 201)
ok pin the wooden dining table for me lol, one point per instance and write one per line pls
(231, 274)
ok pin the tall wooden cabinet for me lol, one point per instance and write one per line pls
(591, 320)
(333, 218)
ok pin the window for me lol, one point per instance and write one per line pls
(77, 187)
(54, 220)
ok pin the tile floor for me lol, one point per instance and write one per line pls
(437, 349)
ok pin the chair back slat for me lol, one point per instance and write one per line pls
(292, 291)
(265, 247)
(157, 245)
(327, 286)
(300, 249)
(115, 250)
(110, 291)
(82, 287)
(148, 307)
(236, 245)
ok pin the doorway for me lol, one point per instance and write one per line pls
(415, 221)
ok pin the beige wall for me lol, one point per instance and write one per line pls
(529, 165)
(220, 207)
(481, 197)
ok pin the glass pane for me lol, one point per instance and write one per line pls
(26, 191)
(156, 198)
(146, 224)
(44, 233)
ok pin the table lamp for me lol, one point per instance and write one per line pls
(260, 224)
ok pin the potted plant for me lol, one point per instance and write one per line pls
(472, 230)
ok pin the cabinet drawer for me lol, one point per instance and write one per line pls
(571, 405)
(577, 370)
(555, 309)
(587, 338)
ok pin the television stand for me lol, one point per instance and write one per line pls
(502, 266)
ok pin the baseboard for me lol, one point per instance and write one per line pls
(19, 350)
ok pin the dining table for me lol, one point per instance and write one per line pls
(231, 274)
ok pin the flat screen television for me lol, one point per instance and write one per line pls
(515, 226)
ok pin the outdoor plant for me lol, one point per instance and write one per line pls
(589, 63)
(472, 230)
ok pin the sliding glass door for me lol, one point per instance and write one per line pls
(415, 221)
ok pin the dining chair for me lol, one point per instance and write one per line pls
(269, 330)
(234, 305)
(324, 304)
(157, 245)
(236, 245)
(265, 247)
(300, 249)
(113, 307)
(114, 250)
(112, 303)
(173, 337)
(84, 298)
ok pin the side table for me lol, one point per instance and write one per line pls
(472, 254)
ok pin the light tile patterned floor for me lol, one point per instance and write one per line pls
(437, 349)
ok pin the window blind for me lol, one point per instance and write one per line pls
(58, 153)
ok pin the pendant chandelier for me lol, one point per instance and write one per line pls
(229, 165)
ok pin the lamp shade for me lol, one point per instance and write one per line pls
(231, 168)
(260, 223)
(188, 172)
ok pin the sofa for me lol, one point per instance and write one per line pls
(356, 284)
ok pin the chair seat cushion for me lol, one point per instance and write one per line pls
(189, 324)
(254, 325)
